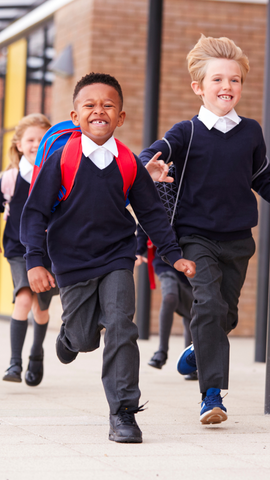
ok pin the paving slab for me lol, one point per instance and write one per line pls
(59, 430)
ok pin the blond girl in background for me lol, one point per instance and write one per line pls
(15, 182)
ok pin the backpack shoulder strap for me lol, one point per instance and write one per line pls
(127, 165)
(183, 172)
(70, 162)
(54, 138)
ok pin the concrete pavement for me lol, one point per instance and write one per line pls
(59, 430)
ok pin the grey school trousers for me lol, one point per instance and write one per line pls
(220, 274)
(106, 302)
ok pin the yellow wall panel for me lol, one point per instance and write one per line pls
(15, 83)
(14, 111)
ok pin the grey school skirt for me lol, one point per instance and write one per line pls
(20, 280)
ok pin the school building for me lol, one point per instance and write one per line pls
(47, 50)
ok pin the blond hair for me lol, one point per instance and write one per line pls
(208, 48)
(32, 120)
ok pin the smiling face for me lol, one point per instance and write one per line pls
(29, 143)
(97, 110)
(221, 87)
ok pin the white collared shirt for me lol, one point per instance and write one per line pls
(101, 155)
(223, 124)
(26, 169)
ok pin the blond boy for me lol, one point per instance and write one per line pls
(217, 208)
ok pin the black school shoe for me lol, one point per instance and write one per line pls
(13, 373)
(34, 372)
(123, 426)
(158, 360)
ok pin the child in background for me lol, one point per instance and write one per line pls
(217, 208)
(176, 297)
(92, 244)
(15, 183)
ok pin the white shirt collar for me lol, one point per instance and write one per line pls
(210, 119)
(26, 169)
(88, 146)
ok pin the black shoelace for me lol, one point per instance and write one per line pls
(126, 414)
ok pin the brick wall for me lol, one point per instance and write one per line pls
(74, 26)
(110, 36)
(121, 51)
(34, 98)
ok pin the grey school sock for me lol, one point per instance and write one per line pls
(18, 329)
(39, 335)
(169, 304)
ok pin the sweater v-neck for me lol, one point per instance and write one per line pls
(224, 136)
(101, 172)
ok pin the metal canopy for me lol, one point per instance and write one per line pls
(10, 10)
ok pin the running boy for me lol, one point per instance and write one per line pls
(92, 246)
(217, 208)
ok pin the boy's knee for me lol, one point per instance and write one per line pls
(63, 353)
(79, 341)
(211, 307)
(215, 302)
(122, 328)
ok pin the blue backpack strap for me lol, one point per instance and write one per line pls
(56, 137)
(70, 162)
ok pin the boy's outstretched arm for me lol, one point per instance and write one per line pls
(152, 216)
(40, 280)
(186, 266)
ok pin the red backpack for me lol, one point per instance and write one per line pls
(65, 133)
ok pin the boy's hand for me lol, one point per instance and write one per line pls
(158, 169)
(40, 280)
(140, 260)
(186, 266)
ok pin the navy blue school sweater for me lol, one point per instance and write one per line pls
(91, 233)
(11, 239)
(216, 199)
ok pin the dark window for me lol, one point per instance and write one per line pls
(38, 94)
(39, 79)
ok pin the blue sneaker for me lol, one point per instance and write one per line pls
(212, 410)
(186, 363)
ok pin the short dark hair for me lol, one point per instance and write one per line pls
(91, 78)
